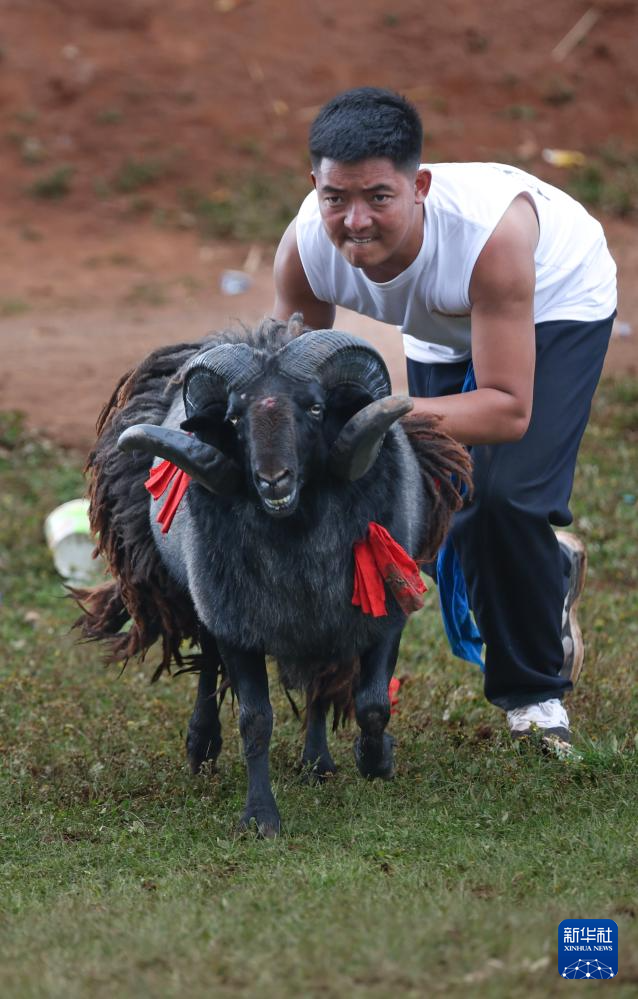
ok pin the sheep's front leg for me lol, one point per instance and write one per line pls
(316, 760)
(249, 680)
(204, 739)
(373, 748)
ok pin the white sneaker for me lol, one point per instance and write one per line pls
(548, 718)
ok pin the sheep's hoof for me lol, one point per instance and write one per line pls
(317, 771)
(374, 756)
(263, 820)
(201, 749)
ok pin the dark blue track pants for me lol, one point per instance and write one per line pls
(515, 572)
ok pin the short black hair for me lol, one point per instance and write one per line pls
(367, 122)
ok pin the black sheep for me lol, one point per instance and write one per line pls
(291, 443)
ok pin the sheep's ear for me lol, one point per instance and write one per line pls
(198, 422)
(203, 462)
(296, 324)
(206, 418)
(356, 448)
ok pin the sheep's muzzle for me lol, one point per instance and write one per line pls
(273, 454)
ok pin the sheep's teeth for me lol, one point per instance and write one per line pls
(275, 504)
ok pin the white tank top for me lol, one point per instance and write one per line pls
(429, 301)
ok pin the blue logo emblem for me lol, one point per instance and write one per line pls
(588, 948)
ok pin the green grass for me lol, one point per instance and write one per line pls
(10, 307)
(134, 175)
(254, 206)
(109, 116)
(608, 181)
(53, 186)
(146, 293)
(120, 873)
(520, 112)
(612, 190)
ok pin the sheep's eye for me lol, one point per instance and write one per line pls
(316, 410)
(234, 420)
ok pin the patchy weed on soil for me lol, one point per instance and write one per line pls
(54, 185)
(608, 181)
(120, 873)
(253, 206)
(134, 175)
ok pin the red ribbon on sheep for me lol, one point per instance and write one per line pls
(379, 560)
(158, 482)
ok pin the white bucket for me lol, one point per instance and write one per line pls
(69, 537)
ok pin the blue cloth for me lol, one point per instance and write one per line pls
(462, 634)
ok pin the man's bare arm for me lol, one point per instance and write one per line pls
(503, 338)
(292, 290)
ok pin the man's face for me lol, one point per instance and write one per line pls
(372, 212)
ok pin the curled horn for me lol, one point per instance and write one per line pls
(210, 376)
(338, 359)
(204, 463)
(356, 448)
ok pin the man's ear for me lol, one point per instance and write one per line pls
(313, 179)
(422, 185)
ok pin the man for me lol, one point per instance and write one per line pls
(484, 263)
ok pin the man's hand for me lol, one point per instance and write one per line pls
(503, 337)
(292, 290)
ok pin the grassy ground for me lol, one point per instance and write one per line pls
(120, 874)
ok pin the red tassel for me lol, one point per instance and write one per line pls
(158, 482)
(159, 478)
(369, 591)
(393, 694)
(381, 560)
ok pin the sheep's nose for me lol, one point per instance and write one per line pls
(277, 483)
